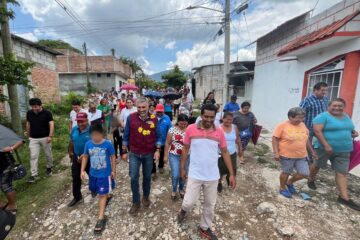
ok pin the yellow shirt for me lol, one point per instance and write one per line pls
(292, 139)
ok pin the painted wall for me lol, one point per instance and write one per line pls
(278, 85)
(77, 82)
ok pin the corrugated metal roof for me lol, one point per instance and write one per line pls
(318, 35)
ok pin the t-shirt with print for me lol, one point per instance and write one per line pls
(99, 155)
(204, 145)
(337, 132)
(292, 139)
(177, 141)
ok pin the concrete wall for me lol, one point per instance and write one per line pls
(78, 82)
(278, 85)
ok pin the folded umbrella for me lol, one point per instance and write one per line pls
(256, 134)
(8, 137)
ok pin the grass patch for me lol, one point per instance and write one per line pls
(32, 198)
(273, 166)
(261, 160)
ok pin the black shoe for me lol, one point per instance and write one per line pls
(134, 208)
(207, 234)
(349, 203)
(49, 171)
(311, 185)
(74, 202)
(219, 187)
(31, 179)
(181, 216)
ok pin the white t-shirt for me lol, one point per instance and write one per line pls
(95, 115)
(216, 122)
(73, 117)
(125, 114)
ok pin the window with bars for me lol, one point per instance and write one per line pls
(331, 74)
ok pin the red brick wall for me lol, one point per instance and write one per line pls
(46, 84)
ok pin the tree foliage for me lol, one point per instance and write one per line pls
(59, 44)
(175, 78)
(9, 12)
(145, 81)
(14, 72)
(135, 67)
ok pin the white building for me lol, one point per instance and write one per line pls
(304, 51)
(210, 78)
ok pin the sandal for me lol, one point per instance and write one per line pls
(5, 206)
(108, 200)
(182, 195)
(100, 226)
(173, 196)
(13, 211)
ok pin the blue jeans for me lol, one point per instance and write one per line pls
(135, 160)
(176, 179)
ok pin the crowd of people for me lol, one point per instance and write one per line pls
(148, 133)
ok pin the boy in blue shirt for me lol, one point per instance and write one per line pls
(102, 170)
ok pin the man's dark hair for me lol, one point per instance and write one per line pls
(35, 102)
(96, 128)
(245, 104)
(76, 102)
(319, 85)
(183, 118)
(208, 107)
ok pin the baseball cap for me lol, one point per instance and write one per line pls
(159, 108)
(81, 116)
(234, 97)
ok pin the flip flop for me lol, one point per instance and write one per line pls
(108, 200)
(305, 196)
(100, 226)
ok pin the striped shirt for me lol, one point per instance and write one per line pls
(313, 106)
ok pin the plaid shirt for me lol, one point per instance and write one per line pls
(313, 106)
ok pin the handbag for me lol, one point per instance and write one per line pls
(18, 170)
(246, 133)
(355, 155)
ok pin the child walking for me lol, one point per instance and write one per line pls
(290, 143)
(102, 170)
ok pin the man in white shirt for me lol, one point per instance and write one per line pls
(76, 106)
(95, 116)
(126, 112)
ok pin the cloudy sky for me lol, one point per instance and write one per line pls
(157, 33)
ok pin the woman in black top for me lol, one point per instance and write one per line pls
(210, 98)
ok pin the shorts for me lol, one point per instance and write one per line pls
(222, 166)
(339, 161)
(6, 180)
(299, 164)
(101, 186)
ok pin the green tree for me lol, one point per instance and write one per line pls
(135, 67)
(175, 78)
(59, 44)
(14, 72)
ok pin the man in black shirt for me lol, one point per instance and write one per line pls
(40, 130)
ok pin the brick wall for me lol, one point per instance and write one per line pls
(46, 84)
(96, 64)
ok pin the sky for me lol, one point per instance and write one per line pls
(158, 34)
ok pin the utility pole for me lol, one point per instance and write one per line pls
(86, 67)
(7, 51)
(226, 52)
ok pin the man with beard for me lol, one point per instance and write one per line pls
(142, 137)
(40, 130)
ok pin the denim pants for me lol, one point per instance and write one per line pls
(176, 179)
(135, 160)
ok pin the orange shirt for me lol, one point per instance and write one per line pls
(292, 139)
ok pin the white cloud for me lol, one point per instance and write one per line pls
(170, 45)
(128, 26)
(29, 36)
(145, 65)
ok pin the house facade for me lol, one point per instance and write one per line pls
(104, 72)
(305, 50)
(44, 77)
(210, 78)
